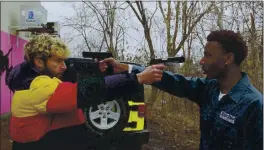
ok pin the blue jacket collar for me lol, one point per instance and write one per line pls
(238, 90)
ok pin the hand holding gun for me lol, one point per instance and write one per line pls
(167, 61)
(86, 66)
(98, 56)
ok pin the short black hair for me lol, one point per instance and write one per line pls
(231, 42)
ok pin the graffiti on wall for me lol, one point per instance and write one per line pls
(4, 63)
(11, 54)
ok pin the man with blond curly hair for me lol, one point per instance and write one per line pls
(46, 112)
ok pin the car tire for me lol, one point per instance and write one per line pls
(105, 121)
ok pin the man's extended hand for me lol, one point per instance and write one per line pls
(118, 67)
(151, 74)
(148, 76)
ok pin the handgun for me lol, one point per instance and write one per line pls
(98, 56)
(167, 61)
(87, 66)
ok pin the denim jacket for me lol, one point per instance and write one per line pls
(235, 122)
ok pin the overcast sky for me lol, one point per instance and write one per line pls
(57, 10)
(53, 15)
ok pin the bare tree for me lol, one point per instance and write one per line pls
(146, 24)
(106, 16)
(96, 23)
(253, 33)
(219, 12)
(81, 22)
(187, 17)
(145, 21)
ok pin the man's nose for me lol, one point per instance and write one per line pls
(63, 66)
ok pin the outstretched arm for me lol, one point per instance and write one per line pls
(175, 84)
(178, 85)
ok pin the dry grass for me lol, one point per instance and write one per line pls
(175, 124)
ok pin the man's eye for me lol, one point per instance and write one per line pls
(59, 60)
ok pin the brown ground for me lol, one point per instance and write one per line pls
(5, 142)
(164, 134)
(173, 133)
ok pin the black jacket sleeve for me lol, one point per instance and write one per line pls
(101, 89)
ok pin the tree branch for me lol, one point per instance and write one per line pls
(134, 10)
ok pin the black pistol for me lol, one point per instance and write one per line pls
(98, 56)
(87, 66)
(167, 61)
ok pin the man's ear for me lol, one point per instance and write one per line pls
(230, 58)
(39, 63)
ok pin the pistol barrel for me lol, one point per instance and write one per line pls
(168, 60)
(98, 55)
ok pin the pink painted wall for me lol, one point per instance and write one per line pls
(15, 57)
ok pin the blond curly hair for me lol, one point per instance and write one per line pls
(44, 45)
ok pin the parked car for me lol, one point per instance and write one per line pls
(118, 124)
